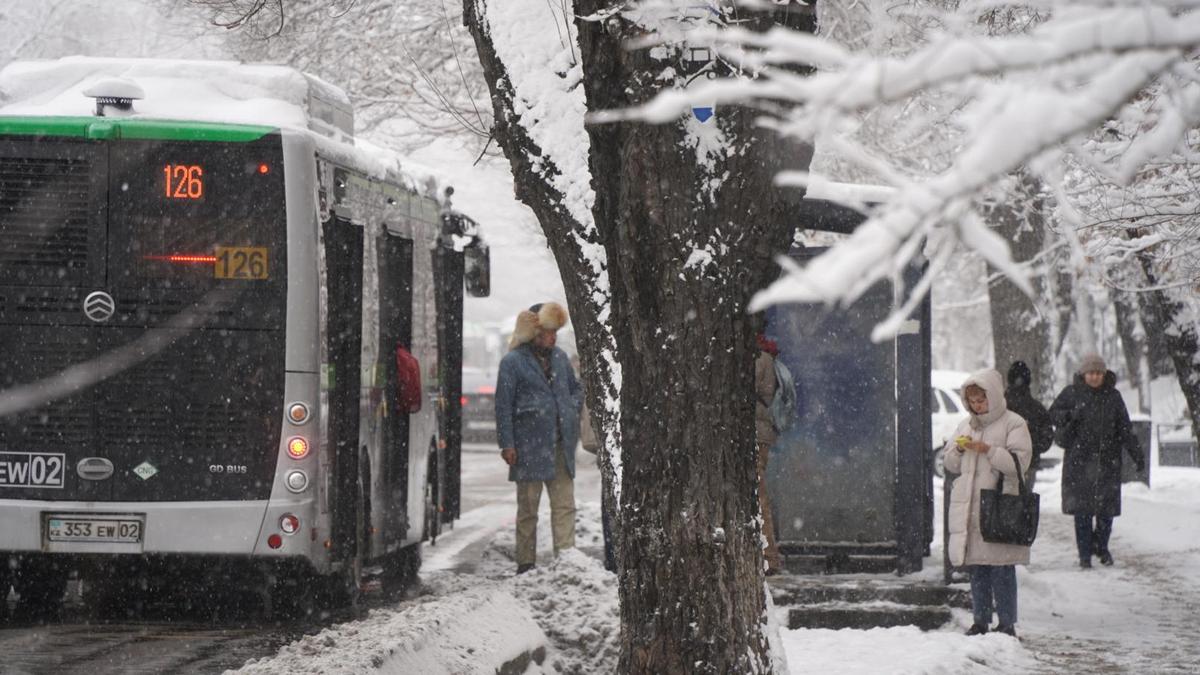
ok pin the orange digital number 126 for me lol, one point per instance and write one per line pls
(184, 181)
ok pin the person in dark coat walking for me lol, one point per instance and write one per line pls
(1020, 400)
(1093, 428)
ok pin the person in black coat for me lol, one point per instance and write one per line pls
(1020, 400)
(1093, 428)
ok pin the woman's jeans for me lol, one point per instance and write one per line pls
(994, 586)
(1092, 540)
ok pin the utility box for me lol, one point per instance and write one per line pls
(850, 479)
(1141, 431)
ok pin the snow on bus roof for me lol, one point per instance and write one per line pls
(209, 91)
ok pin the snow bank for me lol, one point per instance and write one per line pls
(572, 597)
(475, 631)
(902, 651)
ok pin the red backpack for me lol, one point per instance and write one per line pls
(408, 382)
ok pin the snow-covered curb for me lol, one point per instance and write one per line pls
(481, 630)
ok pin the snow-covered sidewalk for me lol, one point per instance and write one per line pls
(1137, 616)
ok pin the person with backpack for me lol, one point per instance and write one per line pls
(769, 394)
(1020, 400)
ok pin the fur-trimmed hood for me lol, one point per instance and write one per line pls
(542, 316)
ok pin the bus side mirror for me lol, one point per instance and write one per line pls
(477, 270)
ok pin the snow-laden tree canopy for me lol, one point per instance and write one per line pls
(1039, 99)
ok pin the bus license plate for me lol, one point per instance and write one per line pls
(124, 529)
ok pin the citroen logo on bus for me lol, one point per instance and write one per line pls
(99, 306)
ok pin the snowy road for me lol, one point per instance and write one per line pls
(71, 648)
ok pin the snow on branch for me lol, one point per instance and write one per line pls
(1022, 101)
(538, 44)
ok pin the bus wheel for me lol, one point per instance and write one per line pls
(341, 590)
(400, 569)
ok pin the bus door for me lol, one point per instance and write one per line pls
(395, 330)
(343, 246)
(448, 266)
(53, 213)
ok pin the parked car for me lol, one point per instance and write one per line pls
(947, 410)
(478, 405)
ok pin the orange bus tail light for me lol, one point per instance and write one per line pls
(297, 448)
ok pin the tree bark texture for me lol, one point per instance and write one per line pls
(689, 237)
(1169, 317)
(1021, 331)
(1161, 363)
(688, 502)
(1133, 346)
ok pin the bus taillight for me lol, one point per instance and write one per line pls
(298, 413)
(289, 524)
(297, 448)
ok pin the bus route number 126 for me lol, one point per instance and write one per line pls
(241, 262)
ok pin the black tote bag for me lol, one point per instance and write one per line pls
(1009, 519)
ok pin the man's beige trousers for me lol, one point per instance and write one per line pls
(562, 512)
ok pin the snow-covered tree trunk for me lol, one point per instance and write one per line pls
(688, 221)
(1176, 321)
(1021, 330)
(1133, 345)
(572, 239)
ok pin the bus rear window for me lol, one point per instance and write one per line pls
(196, 213)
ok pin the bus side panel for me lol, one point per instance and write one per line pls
(303, 382)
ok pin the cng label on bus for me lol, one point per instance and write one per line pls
(32, 469)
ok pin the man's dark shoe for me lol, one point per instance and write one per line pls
(1085, 563)
(1106, 558)
(522, 569)
(977, 629)
(1007, 630)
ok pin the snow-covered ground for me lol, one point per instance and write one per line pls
(1138, 616)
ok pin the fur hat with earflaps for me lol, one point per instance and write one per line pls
(542, 316)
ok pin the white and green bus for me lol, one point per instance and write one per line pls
(199, 329)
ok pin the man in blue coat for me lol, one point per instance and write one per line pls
(538, 399)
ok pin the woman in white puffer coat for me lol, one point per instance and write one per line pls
(993, 431)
